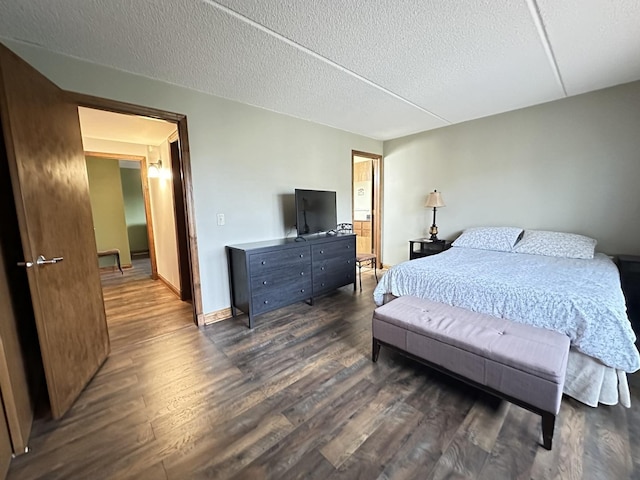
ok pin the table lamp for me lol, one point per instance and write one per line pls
(434, 200)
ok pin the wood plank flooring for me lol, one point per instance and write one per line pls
(298, 397)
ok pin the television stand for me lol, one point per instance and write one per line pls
(264, 276)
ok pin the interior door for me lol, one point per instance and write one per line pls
(48, 175)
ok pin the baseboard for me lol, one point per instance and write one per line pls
(217, 316)
(169, 286)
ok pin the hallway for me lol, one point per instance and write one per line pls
(139, 308)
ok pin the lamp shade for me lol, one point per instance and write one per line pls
(434, 200)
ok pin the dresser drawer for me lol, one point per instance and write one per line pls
(338, 277)
(280, 278)
(339, 248)
(329, 265)
(290, 257)
(273, 298)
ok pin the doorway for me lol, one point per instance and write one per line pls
(367, 198)
(179, 170)
(57, 268)
(136, 200)
(134, 205)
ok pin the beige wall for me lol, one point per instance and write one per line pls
(163, 216)
(246, 162)
(572, 165)
(134, 211)
(107, 207)
(160, 199)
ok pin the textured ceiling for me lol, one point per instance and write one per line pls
(123, 128)
(384, 69)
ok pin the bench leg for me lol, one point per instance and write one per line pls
(119, 264)
(375, 350)
(548, 423)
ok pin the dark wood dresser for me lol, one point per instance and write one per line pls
(264, 276)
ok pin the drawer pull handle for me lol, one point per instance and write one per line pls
(264, 283)
(264, 262)
(321, 251)
(301, 255)
(266, 302)
(349, 262)
(301, 273)
(321, 268)
(302, 291)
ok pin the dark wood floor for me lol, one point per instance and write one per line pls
(298, 397)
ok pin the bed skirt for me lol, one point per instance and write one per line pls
(588, 380)
(591, 382)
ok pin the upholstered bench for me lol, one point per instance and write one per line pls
(520, 363)
(114, 252)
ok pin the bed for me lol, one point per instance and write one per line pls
(546, 283)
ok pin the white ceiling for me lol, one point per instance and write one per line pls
(123, 128)
(384, 68)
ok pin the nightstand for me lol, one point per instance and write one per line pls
(629, 266)
(424, 247)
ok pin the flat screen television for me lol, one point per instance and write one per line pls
(315, 211)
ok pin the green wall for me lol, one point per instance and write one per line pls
(245, 161)
(107, 206)
(134, 209)
(571, 165)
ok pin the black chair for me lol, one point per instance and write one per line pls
(362, 259)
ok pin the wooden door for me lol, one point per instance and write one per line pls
(44, 150)
(21, 374)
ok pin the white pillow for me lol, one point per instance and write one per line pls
(556, 244)
(501, 239)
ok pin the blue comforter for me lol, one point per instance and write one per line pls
(580, 298)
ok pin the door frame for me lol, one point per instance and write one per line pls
(377, 185)
(145, 195)
(98, 103)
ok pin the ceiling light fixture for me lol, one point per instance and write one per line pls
(155, 169)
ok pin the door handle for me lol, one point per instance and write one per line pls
(43, 261)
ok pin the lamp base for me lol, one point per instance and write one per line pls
(433, 230)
